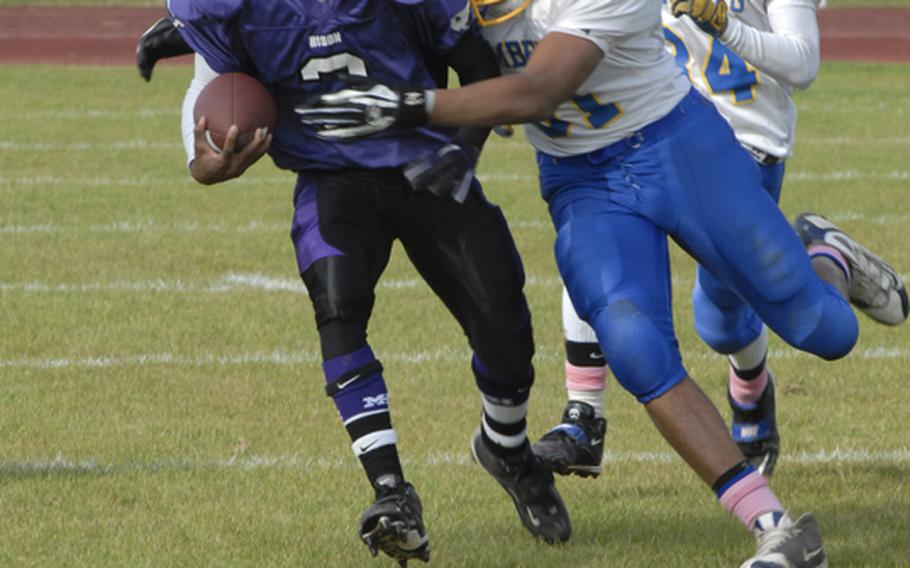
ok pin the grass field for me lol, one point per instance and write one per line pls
(162, 399)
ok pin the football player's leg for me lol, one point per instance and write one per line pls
(738, 233)
(615, 267)
(585, 365)
(467, 256)
(723, 320)
(729, 326)
(575, 445)
(342, 248)
(626, 297)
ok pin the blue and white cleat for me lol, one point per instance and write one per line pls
(754, 430)
(575, 445)
(875, 287)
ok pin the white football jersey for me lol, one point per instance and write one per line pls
(758, 106)
(635, 83)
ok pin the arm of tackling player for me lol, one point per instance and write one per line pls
(790, 51)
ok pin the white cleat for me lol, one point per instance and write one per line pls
(783, 543)
(875, 287)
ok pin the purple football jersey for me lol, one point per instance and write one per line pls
(299, 48)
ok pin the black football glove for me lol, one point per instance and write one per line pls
(364, 108)
(160, 41)
(448, 173)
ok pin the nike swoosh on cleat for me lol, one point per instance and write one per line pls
(595, 441)
(534, 520)
(596, 355)
(807, 556)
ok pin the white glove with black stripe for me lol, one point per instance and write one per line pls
(364, 108)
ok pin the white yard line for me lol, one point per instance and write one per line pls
(82, 114)
(77, 183)
(137, 144)
(849, 140)
(283, 357)
(228, 283)
(142, 144)
(147, 226)
(62, 465)
(846, 175)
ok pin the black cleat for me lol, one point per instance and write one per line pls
(754, 430)
(875, 287)
(394, 524)
(576, 445)
(532, 489)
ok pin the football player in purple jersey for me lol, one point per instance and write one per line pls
(352, 200)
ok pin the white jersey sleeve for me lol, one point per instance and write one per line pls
(789, 52)
(202, 76)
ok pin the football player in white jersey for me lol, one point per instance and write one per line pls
(629, 154)
(748, 57)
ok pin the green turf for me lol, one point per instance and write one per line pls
(160, 407)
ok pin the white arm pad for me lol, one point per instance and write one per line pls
(203, 76)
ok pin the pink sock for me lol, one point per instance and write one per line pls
(832, 253)
(585, 378)
(746, 393)
(749, 498)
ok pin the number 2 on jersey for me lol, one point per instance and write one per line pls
(724, 70)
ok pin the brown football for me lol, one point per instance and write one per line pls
(234, 98)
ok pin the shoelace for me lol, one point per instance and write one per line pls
(771, 539)
(871, 287)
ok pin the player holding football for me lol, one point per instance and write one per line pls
(748, 60)
(629, 153)
(353, 199)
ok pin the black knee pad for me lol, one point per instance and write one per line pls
(341, 304)
(337, 294)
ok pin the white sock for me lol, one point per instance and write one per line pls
(752, 355)
(593, 397)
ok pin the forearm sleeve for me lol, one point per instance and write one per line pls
(203, 76)
(790, 51)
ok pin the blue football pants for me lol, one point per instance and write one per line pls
(723, 320)
(685, 176)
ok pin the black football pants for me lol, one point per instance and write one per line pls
(465, 253)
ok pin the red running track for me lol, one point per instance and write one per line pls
(107, 36)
